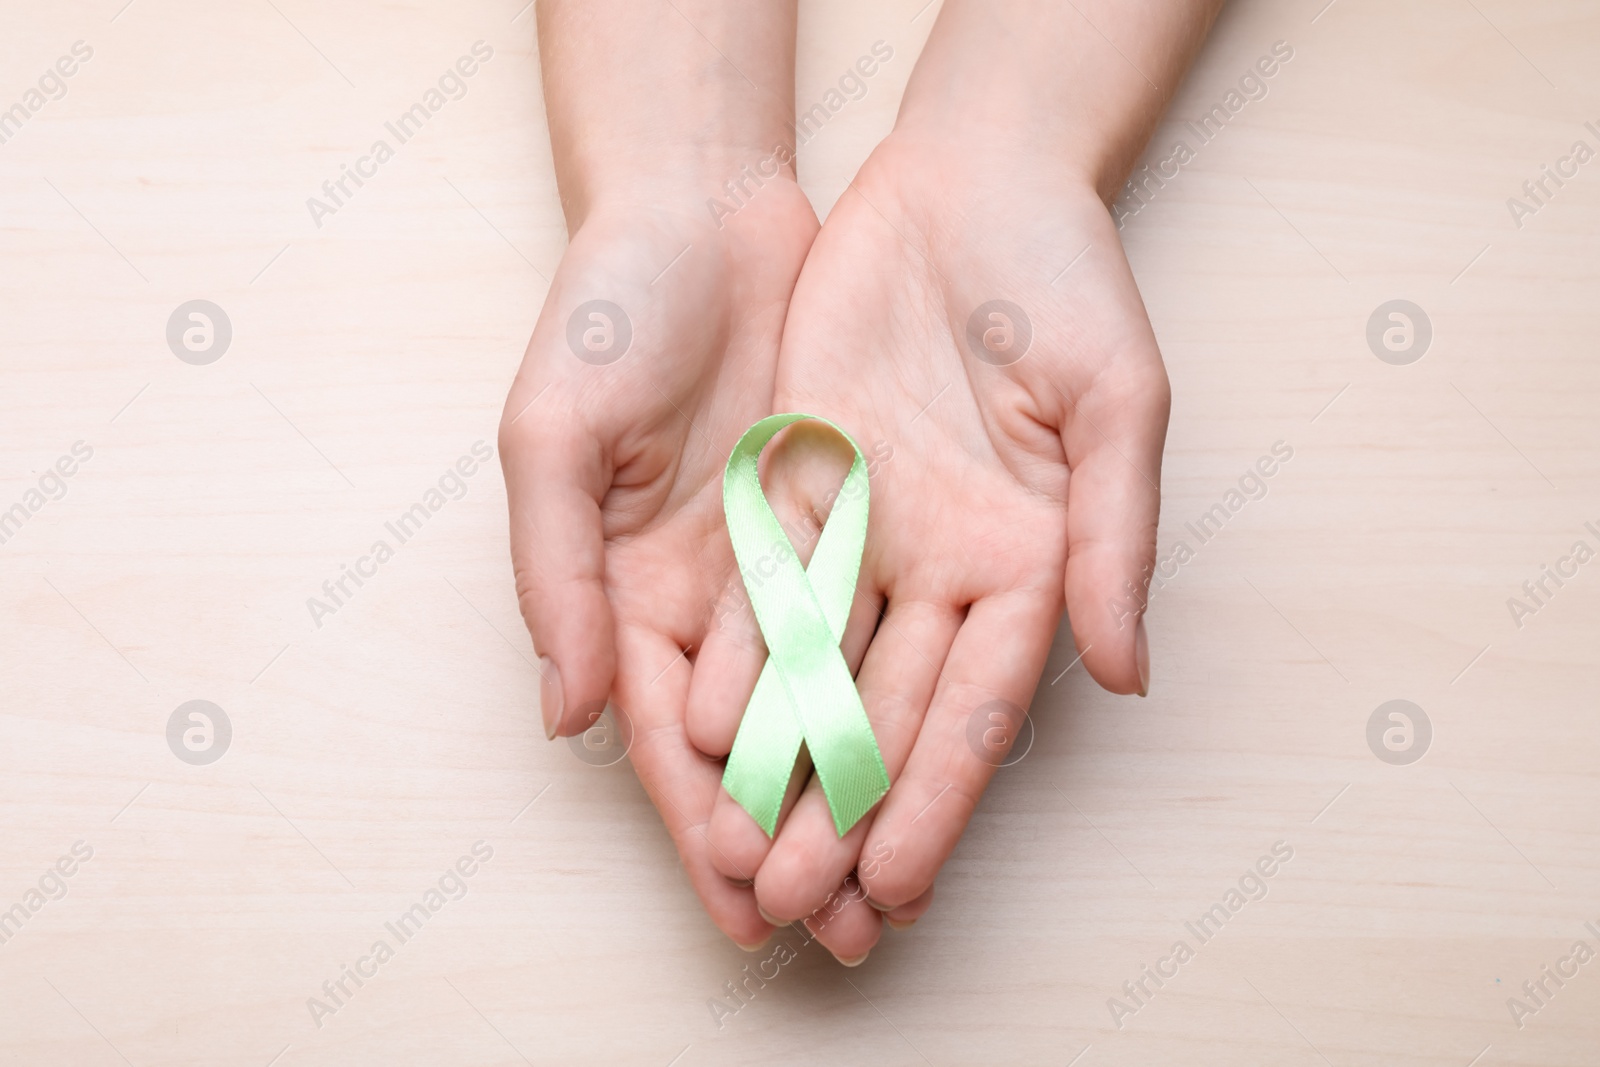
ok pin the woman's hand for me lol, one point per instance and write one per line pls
(655, 349)
(981, 322)
(968, 310)
(614, 438)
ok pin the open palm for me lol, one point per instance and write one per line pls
(655, 349)
(990, 333)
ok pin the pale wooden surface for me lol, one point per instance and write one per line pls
(405, 728)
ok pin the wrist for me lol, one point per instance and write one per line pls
(718, 182)
(937, 176)
(655, 92)
(969, 150)
(740, 213)
(1033, 85)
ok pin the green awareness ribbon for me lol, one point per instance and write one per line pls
(805, 692)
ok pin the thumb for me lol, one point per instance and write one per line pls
(1113, 439)
(556, 477)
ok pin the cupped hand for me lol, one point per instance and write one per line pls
(655, 349)
(971, 317)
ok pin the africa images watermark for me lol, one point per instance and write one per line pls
(1537, 191)
(451, 886)
(451, 485)
(1251, 486)
(51, 486)
(452, 85)
(1399, 732)
(52, 886)
(1538, 591)
(1142, 187)
(1252, 886)
(199, 732)
(852, 85)
(51, 85)
(1537, 992)
(741, 990)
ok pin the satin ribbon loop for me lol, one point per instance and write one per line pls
(805, 692)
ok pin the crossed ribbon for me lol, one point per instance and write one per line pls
(805, 692)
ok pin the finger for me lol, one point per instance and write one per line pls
(726, 668)
(897, 681)
(739, 844)
(1113, 440)
(738, 838)
(681, 783)
(555, 479)
(903, 917)
(845, 924)
(997, 656)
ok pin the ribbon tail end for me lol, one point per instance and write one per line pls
(846, 817)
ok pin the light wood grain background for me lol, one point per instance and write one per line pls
(369, 754)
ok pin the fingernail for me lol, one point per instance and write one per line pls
(1141, 656)
(741, 883)
(897, 924)
(770, 919)
(758, 946)
(854, 961)
(880, 907)
(550, 695)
